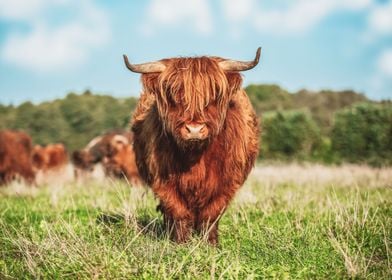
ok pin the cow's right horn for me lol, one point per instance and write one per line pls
(144, 68)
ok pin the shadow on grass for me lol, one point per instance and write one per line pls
(147, 224)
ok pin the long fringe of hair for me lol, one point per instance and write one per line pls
(194, 83)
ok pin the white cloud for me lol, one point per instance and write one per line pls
(48, 48)
(380, 19)
(354, 4)
(176, 12)
(235, 10)
(384, 63)
(283, 16)
(297, 18)
(26, 9)
(292, 17)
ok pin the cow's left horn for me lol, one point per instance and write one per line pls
(235, 65)
(144, 68)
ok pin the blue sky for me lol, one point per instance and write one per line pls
(51, 47)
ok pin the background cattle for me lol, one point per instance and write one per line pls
(15, 157)
(121, 163)
(50, 157)
(114, 151)
(195, 138)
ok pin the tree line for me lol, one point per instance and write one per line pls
(326, 126)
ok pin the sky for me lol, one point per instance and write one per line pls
(49, 48)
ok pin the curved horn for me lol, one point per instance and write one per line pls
(235, 65)
(149, 67)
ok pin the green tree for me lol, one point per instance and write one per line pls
(7, 116)
(48, 125)
(268, 97)
(363, 133)
(289, 135)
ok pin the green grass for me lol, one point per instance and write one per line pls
(279, 230)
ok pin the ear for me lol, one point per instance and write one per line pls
(150, 83)
(234, 80)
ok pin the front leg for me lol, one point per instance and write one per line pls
(179, 229)
(177, 218)
(208, 218)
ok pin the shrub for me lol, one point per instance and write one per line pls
(363, 133)
(289, 135)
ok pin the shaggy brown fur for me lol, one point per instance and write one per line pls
(15, 157)
(194, 180)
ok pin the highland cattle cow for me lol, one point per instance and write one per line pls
(195, 138)
(15, 157)
(121, 163)
(49, 158)
(114, 150)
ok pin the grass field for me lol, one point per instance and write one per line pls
(288, 221)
